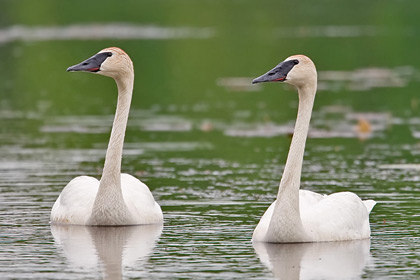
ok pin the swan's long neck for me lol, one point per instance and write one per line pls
(112, 167)
(109, 206)
(290, 182)
(286, 219)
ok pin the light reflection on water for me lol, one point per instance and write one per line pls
(367, 78)
(340, 122)
(100, 32)
(329, 124)
(329, 31)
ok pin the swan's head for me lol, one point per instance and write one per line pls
(297, 70)
(112, 62)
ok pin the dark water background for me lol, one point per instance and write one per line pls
(210, 146)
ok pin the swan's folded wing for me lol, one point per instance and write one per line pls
(140, 201)
(309, 198)
(74, 205)
(339, 216)
(369, 204)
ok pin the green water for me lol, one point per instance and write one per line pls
(210, 147)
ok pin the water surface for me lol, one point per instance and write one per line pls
(210, 146)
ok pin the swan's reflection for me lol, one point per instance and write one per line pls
(110, 247)
(323, 260)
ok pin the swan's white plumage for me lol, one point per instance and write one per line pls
(300, 215)
(140, 201)
(117, 199)
(77, 198)
(75, 201)
(335, 217)
(338, 216)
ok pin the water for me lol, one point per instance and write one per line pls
(210, 146)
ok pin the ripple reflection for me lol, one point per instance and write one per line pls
(100, 31)
(324, 260)
(110, 248)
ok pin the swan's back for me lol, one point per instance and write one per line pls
(140, 201)
(369, 204)
(336, 217)
(75, 203)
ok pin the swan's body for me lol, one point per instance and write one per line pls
(299, 215)
(117, 199)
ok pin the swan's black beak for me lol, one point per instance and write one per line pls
(278, 73)
(92, 64)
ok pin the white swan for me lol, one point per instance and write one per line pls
(300, 215)
(117, 199)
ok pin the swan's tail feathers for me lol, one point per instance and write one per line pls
(369, 204)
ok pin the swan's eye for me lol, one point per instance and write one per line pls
(109, 54)
(296, 61)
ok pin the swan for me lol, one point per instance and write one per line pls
(117, 199)
(301, 215)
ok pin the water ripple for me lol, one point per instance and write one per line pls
(99, 31)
